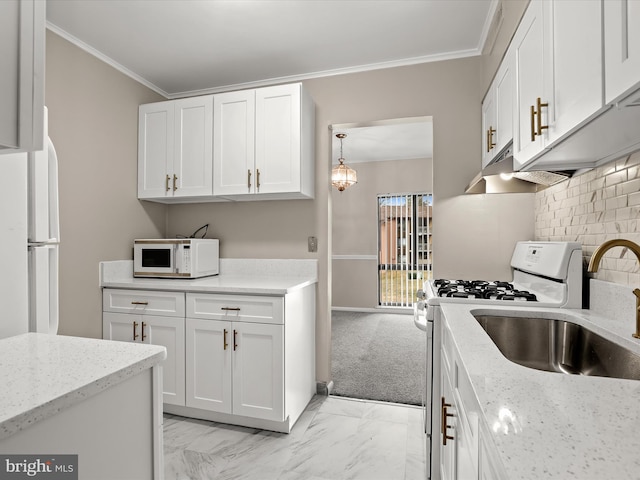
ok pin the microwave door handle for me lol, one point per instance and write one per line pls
(177, 259)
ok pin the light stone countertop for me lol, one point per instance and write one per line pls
(44, 374)
(547, 425)
(249, 277)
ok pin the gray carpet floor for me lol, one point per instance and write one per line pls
(377, 356)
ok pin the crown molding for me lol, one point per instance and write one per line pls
(260, 83)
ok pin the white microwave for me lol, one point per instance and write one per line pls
(176, 258)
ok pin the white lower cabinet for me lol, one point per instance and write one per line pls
(226, 357)
(459, 432)
(140, 323)
(235, 367)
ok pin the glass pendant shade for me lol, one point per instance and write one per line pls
(342, 176)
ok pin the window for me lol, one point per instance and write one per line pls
(404, 247)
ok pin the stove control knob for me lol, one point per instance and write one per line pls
(421, 294)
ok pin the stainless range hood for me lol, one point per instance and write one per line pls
(499, 177)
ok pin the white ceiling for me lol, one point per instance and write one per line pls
(192, 47)
(399, 139)
(188, 47)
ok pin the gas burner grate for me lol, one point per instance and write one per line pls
(496, 290)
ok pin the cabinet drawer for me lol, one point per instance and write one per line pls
(237, 308)
(143, 302)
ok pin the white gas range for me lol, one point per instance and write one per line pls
(545, 274)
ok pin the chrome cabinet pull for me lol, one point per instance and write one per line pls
(135, 333)
(224, 340)
(143, 335)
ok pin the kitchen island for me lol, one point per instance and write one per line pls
(525, 424)
(96, 399)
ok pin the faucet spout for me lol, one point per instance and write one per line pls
(594, 263)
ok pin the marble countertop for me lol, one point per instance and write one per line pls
(250, 277)
(223, 283)
(547, 425)
(44, 374)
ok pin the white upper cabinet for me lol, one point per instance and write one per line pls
(622, 47)
(22, 50)
(497, 111)
(278, 135)
(175, 152)
(264, 143)
(233, 142)
(559, 73)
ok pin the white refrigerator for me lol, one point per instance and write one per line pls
(29, 241)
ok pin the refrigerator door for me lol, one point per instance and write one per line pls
(43, 193)
(44, 237)
(14, 318)
(43, 289)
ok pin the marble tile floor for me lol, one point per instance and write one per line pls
(335, 439)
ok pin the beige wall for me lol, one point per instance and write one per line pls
(592, 208)
(355, 226)
(93, 118)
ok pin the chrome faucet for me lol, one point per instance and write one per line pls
(595, 262)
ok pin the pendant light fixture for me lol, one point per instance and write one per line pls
(342, 176)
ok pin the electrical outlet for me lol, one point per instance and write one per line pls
(313, 244)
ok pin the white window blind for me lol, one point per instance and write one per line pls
(404, 247)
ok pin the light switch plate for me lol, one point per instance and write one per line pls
(313, 244)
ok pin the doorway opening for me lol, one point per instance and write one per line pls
(404, 247)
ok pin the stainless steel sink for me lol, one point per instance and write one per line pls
(559, 346)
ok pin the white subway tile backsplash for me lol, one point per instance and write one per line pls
(599, 205)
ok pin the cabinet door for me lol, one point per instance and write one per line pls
(22, 46)
(155, 149)
(258, 371)
(622, 47)
(192, 173)
(278, 139)
(209, 344)
(448, 451)
(504, 96)
(233, 143)
(168, 332)
(529, 48)
(121, 327)
(488, 126)
(577, 64)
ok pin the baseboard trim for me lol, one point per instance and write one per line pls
(324, 388)
(397, 310)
